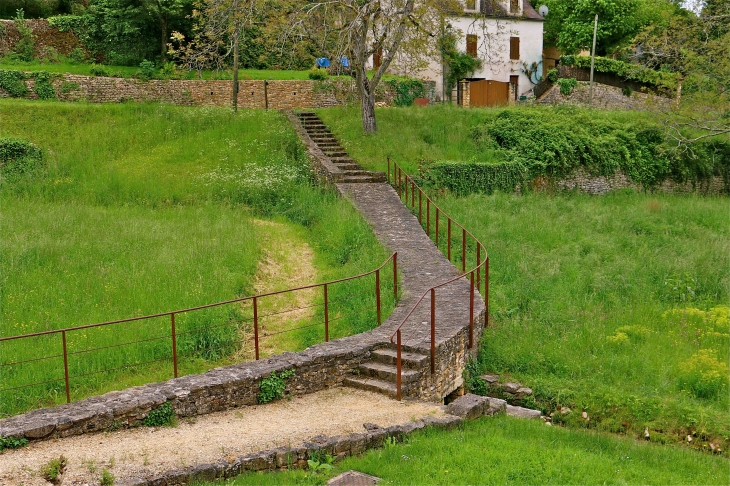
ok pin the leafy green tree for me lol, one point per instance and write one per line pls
(569, 25)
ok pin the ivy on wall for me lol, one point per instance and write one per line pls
(13, 82)
(625, 70)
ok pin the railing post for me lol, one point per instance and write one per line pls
(65, 368)
(413, 194)
(479, 267)
(398, 178)
(377, 294)
(433, 331)
(471, 311)
(174, 344)
(395, 277)
(420, 207)
(256, 327)
(437, 226)
(463, 249)
(326, 316)
(398, 367)
(448, 237)
(388, 169)
(486, 292)
(428, 217)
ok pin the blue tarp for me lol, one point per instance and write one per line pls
(323, 62)
(344, 62)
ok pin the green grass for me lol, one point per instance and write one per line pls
(130, 71)
(415, 135)
(502, 450)
(570, 273)
(580, 285)
(144, 209)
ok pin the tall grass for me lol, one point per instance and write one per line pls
(144, 209)
(503, 450)
(582, 297)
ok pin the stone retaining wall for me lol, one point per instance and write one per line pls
(276, 95)
(582, 181)
(45, 37)
(604, 97)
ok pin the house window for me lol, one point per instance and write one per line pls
(514, 6)
(514, 48)
(471, 5)
(471, 45)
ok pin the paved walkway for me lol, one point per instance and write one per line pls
(421, 263)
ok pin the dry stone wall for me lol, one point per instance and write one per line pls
(276, 95)
(45, 37)
(604, 97)
(582, 181)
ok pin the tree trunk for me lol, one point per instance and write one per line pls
(163, 38)
(235, 71)
(367, 102)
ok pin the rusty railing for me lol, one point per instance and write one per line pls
(331, 308)
(405, 186)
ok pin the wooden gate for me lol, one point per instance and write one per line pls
(488, 93)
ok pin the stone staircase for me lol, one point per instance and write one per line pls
(328, 144)
(380, 373)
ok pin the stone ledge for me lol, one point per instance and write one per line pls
(286, 458)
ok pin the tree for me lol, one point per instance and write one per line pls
(358, 29)
(569, 25)
(698, 47)
(219, 30)
(164, 11)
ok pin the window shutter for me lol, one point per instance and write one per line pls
(471, 45)
(514, 48)
(378, 58)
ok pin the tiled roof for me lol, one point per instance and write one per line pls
(492, 8)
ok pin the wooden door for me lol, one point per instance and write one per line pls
(488, 93)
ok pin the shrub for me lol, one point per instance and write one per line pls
(472, 379)
(53, 470)
(567, 85)
(107, 478)
(146, 70)
(43, 87)
(552, 75)
(462, 178)
(665, 80)
(12, 443)
(406, 90)
(98, 70)
(69, 86)
(317, 74)
(272, 387)
(25, 47)
(18, 157)
(77, 56)
(163, 416)
(703, 375)
(13, 82)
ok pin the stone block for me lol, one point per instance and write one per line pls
(521, 412)
(468, 406)
(495, 406)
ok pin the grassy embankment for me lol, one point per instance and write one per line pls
(141, 209)
(598, 303)
(503, 450)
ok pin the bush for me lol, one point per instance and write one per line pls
(146, 70)
(703, 375)
(43, 87)
(462, 178)
(665, 80)
(98, 70)
(53, 470)
(163, 416)
(77, 56)
(567, 85)
(14, 83)
(406, 90)
(317, 74)
(25, 47)
(552, 75)
(18, 158)
(272, 387)
(12, 443)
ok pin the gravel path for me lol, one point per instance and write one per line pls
(210, 438)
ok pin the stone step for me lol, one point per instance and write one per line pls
(306, 113)
(388, 372)
(408, 360)
(323, 138)
(373, 385)
(357, 171)
(334, 154)
(348, 167)
(342, 160)
(360, 179)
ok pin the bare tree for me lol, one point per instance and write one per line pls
(359, 28)
(219, 29)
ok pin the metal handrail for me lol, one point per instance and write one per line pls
(401, 181)
(174, 334)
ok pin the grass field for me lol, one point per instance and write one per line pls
(502, 450)
(616, 304)
(143, 209)
(131, 71)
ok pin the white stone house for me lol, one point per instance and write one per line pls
(507, 35)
